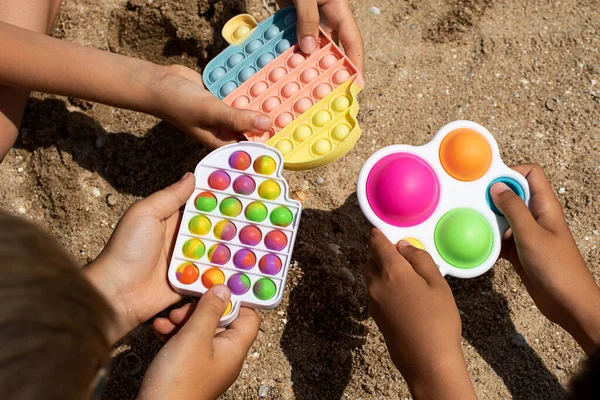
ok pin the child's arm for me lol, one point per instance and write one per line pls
(174, 93)
(335, 16)
(544, 254)
(413, 307)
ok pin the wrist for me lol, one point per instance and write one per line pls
(585, 328)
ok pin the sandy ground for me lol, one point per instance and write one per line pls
(526, 69)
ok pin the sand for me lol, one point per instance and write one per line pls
(525, 69)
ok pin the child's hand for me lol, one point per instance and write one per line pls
(200, 360)
(131, 271)
(544, 254)
(413, 307)
(335, 16)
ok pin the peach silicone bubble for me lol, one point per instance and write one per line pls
(465, 154)
(240, 102)
(270, 104)
(302, 105)
(289, 89)
(341, 76)
(277, 74)
(327, 61)
(284, 119)
(258, 88)
(402, 189)
(309, 75)
(321, 90)
(295, 60)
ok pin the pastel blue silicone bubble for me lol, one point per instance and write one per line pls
(246, 73)
(282, 46)
(217, 74)
(512, 184)
(253, 45)
(227, 88)
(235, 59)
(264, 59)
(271, 32)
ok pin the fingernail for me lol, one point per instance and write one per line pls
(185, 176)
(404, 243)
(222, 292)
(262, 123)
(498, 188)
(308, 44)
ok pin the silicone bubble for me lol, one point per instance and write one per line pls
(290, 89)
(230, 207)
(219, 180)
(269, 190)
(228, 308)
(241, 31)
(212, 277)
(227, 88)
(239, 283)
(340, 103)
(246, 73)
(253, 45)
(270, 264)
(512, 184)
(258, 88)
(301, 133)
(187, 273)
(464, 238)
(327, 61)
(402, 189)
(250, 235)
(240, 102)
(277, 74)
(244, 184)
(281, 216)
(216, 74)
(341, 76)
(309, 75)
(321, 91)
(235, 59)
(275, 240)
(289, 19)
(284, 146)
(340, 131)
(321, 147)
(271, 32)
(271, 103)
(282, 46)
(295, 60)
(302, 105)
(244, 259)
(205, 201)
(415, 243)
(219, 254)
(225, 230)
(264, 289)
(240, 160)
(256, 212)
(199, 225)
(321, 118)
(465, 154)
(264, 59)
(265, 165)
(284, 119)
(193, 249)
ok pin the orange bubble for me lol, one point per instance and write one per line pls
(465, 154)
(187, 273)
(213, 276)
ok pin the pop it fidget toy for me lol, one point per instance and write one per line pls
(436, 196)
(238, 228)
(310, 98)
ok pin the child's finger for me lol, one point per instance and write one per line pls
(204, 321)
(166, 202)
(179, 315)
(219, 114)
(352, 40)
(383, 251)
(244, 328)
(162, 326)
(421, 262)
(308, 25)
(515, 210)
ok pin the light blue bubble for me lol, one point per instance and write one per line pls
(246, 73)
(264, 59)
(271, 32)
(282, 46)
(217, 74)
(235, 59)
(289, 19)
(227, 88)
(253, 45)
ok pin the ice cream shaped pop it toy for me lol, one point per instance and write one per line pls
(310, 98)
(436, 196)
(238, 228)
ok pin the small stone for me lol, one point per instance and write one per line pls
(375, 10)
(20, 169)
(131, 363)
(519, 340)
(22, 210)
(264, 390)
(335, 248)
(561, 190)
(96, 192)
(595, 232)
(412, 26)
(320, 180)
(300, 195)
(461, 312)
(551, 104)
(347, 274)
(111, 200)
(19, 159)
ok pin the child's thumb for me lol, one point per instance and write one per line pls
(514, 209)
(165, 202)
(220, 114)
(204, 322)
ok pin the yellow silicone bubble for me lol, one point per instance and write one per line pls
(228, 309)
(284, 146)
(340, 103)
(321, 118)
(340, 131)
(301, 133)
(415, 243)
(241, 31)
(321, 147)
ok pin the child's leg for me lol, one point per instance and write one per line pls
(35, 15)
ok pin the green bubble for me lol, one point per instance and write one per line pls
(281, 216)
(193, 248)
(230, 207)
(256, 212)
(264, 289)
(464, 238)
(206, 202)
(199, 225)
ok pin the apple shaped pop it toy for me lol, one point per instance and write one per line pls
(311, 98)
(237, 229)
(436, 196)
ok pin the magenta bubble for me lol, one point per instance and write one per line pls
(244, 184)
(219, 180)
(402, 189)
(270, 264)
(239, 283)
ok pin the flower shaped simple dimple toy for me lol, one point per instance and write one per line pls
(436, 196)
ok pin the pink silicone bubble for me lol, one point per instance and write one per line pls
(284, 119)
(295, 60)
(341, 76)
(270, 103)
(309, 75)
(258, 88)
(289, 89)
(402, 189)
(240, 102)
(277, 74)
(302, 105)
(327, 61)
(321, 90)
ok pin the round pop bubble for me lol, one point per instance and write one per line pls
(301, 133)
(250, 235)
(187, 273)
(276, 240)
(258, 88)
(270, 264)
(230, 207)
(264, 289)
(253, 45)
(217, 74)
(219, 180)
(212, 277)
(284, 146)
(240, 160)
(269, 189)
(199, 225)
(465, 154)
(244, 184)
(238, 283)
(225, 230)
(205, 201)
(281, 216)
(270, 104)
(219, 254)
(193, 249)
(265, 165)
(256, 212)
(321, 147)
(244, 259)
